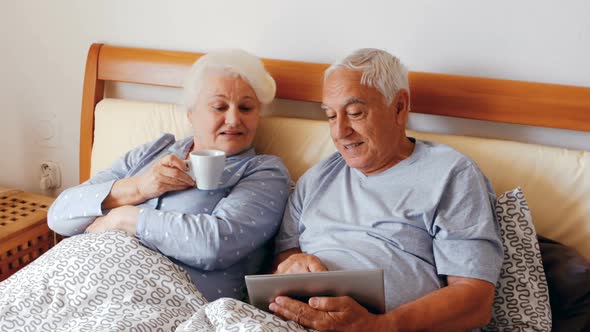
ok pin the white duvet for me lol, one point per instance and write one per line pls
(109, 282)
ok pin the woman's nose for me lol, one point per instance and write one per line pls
(232, 116)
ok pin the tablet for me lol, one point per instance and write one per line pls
(365, 286)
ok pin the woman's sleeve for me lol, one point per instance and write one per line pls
(77, 207)
(240, 223)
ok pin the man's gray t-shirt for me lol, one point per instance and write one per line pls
(429, 216)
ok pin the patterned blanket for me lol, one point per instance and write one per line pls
(109, 282)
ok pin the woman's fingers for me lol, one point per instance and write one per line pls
(98, 225)
(174, 176)
(167, 174)
(174, 167)
(172, 160)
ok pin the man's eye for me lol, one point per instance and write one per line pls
(246, 108)
(355, 115)
(331, 117)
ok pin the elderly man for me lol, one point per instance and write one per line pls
(420, 210)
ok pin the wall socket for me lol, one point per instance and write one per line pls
(50, 175)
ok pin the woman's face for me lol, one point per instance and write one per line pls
(226, 114)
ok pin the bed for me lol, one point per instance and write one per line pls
(556, 181)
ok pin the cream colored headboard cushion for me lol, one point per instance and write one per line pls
(556, 181)
(121, 125)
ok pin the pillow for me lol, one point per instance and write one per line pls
(521, 301)
(568, 276)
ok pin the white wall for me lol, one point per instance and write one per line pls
(44, 45)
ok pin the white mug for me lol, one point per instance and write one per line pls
(206, 168)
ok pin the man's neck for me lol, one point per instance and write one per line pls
(404, 150)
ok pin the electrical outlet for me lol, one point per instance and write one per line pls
(50, 175)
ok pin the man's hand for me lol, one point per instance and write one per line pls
(301, 263)
(123, 218)
(166, 174)
(327, 314)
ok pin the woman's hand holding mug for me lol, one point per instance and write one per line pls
(166, 174)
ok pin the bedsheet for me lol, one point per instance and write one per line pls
(110, 282)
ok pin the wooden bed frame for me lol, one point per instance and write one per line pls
(537, 104)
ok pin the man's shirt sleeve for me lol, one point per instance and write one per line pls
(467, 239)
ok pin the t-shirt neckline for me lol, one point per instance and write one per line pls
(418, 149)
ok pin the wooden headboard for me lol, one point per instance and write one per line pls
(537, 104)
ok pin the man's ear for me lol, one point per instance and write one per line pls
(401, 104)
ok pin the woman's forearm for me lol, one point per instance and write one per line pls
(124, 192)
(77, 207)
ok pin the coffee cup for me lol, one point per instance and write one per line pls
(206, 168)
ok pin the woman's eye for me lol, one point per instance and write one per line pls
(246, 108)
(219, 107)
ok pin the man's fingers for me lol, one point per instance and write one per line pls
(283, 267)
(333, 304)
(316, 266)
(301, 263)
(291, 266)
(296, 311)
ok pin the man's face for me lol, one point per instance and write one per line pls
(365, 131)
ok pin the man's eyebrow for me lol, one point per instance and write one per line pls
(353, 100)
(349, 101)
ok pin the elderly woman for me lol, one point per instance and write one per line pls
(218, 235)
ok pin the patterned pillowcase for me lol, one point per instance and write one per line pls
(521, 302)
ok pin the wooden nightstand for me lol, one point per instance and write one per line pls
(24, 234)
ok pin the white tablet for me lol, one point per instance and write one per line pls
(365, 286)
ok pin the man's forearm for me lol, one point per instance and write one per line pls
(457, 307)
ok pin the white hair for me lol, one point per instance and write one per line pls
(229, 62)
(380, 70)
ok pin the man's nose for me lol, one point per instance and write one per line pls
(342, 127)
